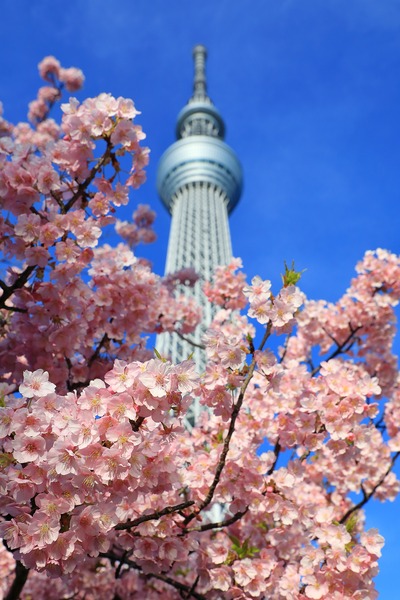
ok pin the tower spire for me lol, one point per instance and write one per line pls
(200, 80)
(199, 116)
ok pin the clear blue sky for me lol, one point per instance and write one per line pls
(310, 95)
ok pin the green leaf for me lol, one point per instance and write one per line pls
(243, 550)
(250, 342)
(351, 523)
(6, 459)
(219, 437)
(291, 276)
(158, 355)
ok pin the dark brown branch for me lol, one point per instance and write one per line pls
(77, 385)
(70, 385)
(14, 309)
(24, 276)
(285, 347)
(18, 284)
(219, 524)
(340, 347)
(368, 495)
(332, 337)
(189, 341)
(136, 424)
(97, 351)
(21, 575)
(239, 514)
(95, 169)
(190, 592)
(277, 450)
(154, 516)
(176, 584)
(235, 413)
(57, 198)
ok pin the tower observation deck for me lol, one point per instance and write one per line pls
(199, 181)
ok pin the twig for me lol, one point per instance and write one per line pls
(285, 347)
(277, 450)
(18, 284)
(51, 103)
(219, 524)
(95, 169)
(14, 309)
(367, 496)
(191, 342)
(240, 513)
(340, 347)
(190, 592)
(154, 516)
(97, 351)
(176, 584)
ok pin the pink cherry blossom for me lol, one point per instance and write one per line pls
(372, 541)
(28, 449)
(36, 384)
(28, 227)
(49, 67)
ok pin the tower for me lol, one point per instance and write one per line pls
(199, 180)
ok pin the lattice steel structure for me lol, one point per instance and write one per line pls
(199, 181)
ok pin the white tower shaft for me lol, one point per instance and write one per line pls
(199, 180)
(199, 238)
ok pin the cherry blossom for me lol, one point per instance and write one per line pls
(36, 383)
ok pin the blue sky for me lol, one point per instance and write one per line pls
(310, 94)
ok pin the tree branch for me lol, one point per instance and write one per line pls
(154, 516)
(191, 342)
(178, 585)
(219, 524)
(285, 347)
(368, 496)
(136, 424)
(241, 513)
(97, 351)
(234, 416)
(21, 576)
(340, 347)
(189, 591)
(277, 450)
(19, 283)
(50, 103)
(95, 169)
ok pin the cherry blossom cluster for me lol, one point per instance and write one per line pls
(104, 494)
(83, 462)
(279, 310)
(110, 474)
(226, 289)
(186, 276)
(78, 304)
(51, 71)
(139, 230)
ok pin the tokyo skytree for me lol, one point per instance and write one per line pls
(199, 180)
